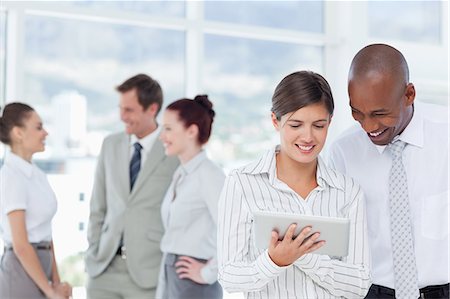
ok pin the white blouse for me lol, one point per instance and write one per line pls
(23, 186)
(189, 212)
(245, 268)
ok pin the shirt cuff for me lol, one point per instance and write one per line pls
(308, 261)
(209, 274)
(267, 267)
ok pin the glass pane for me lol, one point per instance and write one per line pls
(2, 73)
(294, 15)
(2, 55)
(415, 21)
(240, 76)
(71, 71)
(157, 8)
(71, 64)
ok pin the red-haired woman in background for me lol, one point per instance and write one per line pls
(189, 210)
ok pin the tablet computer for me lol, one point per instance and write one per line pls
(335, 231)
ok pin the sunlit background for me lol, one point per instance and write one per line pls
(65, 58)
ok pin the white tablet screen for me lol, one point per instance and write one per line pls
(334, 230)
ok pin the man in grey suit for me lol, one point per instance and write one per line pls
(132, 176)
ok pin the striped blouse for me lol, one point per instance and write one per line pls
(245, 268)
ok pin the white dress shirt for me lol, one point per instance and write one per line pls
(245, 268)
(189, 212)
(23, 186)
(146, 143)
(425, 159)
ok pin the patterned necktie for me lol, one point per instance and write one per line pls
(135, 164)
(405, 271)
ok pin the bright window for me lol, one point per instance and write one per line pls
(2, 55)
(240, 76)
(293, 15)
(414, 21)
(73, 67)
(156, 8)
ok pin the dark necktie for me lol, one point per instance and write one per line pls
(135, 164)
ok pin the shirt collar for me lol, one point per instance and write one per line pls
(195, 162)
(413, 133)
(17, 162)
(267, 164)
(147, 141)
(326, 176)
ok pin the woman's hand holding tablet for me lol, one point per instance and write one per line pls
(290, 248)
(300, 234)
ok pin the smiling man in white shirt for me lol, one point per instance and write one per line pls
(382, 101)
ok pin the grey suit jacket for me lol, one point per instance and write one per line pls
(114, 210)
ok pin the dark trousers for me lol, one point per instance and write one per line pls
(177, 288)
(430, 292)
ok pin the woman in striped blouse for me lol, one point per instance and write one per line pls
(292, 178)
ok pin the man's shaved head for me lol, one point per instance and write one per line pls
(379, 59)
(381, 96)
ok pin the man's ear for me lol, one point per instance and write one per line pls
(152, 109)
(275, 122)
(410, 94)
